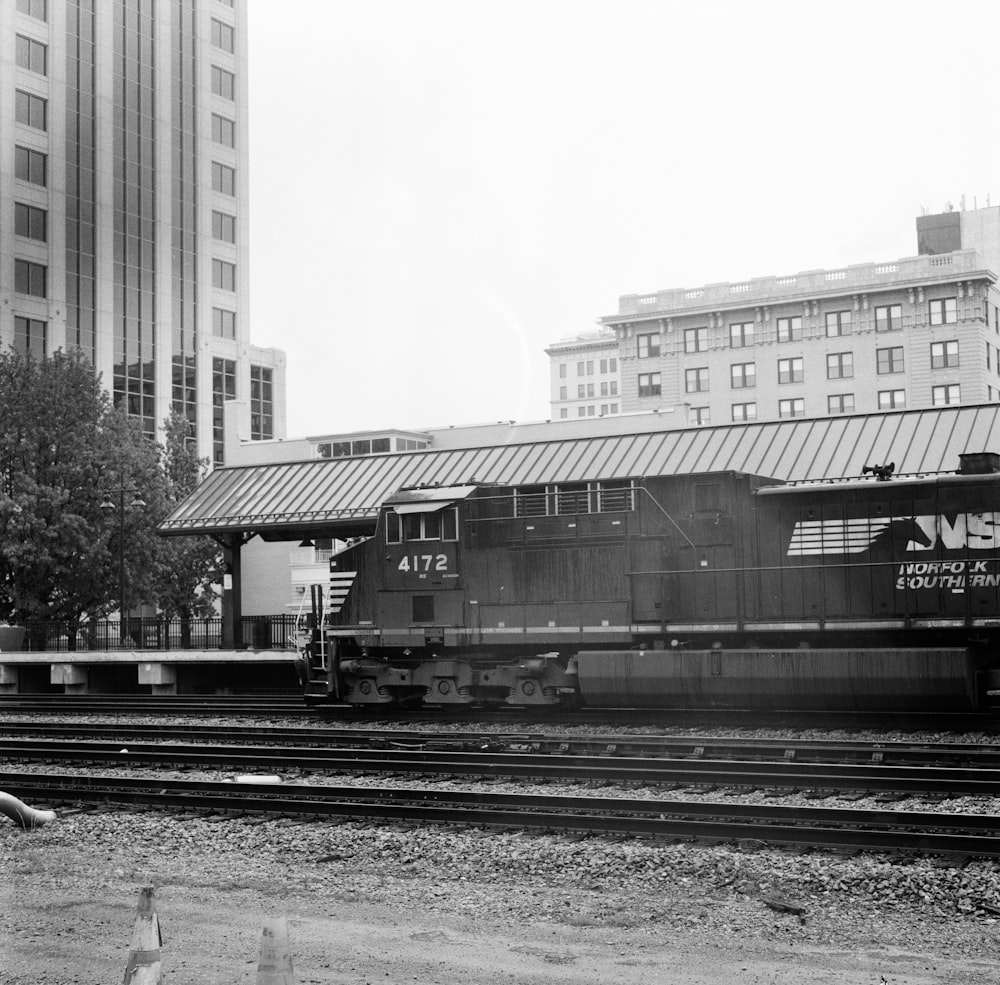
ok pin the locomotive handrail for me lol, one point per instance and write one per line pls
(659, 506)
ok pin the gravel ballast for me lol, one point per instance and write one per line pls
(369, 903)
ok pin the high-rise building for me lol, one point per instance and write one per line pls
(918, 332)
(124, 205)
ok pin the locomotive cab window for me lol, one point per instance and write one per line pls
(439, 524)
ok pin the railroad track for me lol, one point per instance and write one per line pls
(292, 703)
(932, 833)
(818, 778)
(955, 754)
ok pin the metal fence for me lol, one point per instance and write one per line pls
(153, 633)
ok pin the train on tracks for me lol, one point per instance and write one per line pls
(716, 590)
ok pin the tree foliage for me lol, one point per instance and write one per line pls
(71, 469)
(189, 567)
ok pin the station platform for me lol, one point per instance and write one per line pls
(161, 671)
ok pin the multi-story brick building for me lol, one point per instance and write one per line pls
(124, 205)
(917, 332)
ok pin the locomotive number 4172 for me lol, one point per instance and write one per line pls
(424, 562)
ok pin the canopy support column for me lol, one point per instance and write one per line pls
(232, 590)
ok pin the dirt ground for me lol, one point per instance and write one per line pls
(68, 898)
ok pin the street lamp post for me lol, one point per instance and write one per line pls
(108, 505)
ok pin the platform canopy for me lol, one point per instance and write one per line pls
(341, 497)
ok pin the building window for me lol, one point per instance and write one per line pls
(942, 396)
(224, 227)
(31, 55)
(223, 389)
(563, 412)
(30, 110)
(744, 412)
(889, 318)
(261, 404)
(890, 360)
(838, 323)
(790, 329)
(945, 354)
(580, 368)
(223, 131)
(795, 407)
(649, 384)
(590, 389)
(581, 412)
(696, 380)
(562, 393)
(30, 222)
(840, 403)
(790, 370)
(29, 337)
(695, 339)
(604, 388)
(30, 278)
(224, 323)
(743, 375)
(891, 399)
(700, 415)
(223, 178)
(224, 275)
(740, 334)
(609, 365)
(223, 36)
(29, 165)
(647, 345)
(33, 8)
(223, 83)
(613, 391)
(562, 371)
(581, 390)
(943, 311)
(840, 365)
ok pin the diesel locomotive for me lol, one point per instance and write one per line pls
(715, 590)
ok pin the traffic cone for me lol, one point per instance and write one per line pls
(143, 966)
(275, 965)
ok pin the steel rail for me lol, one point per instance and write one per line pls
(651, 746)
(909, 779)
(292, 703)
(932, 833)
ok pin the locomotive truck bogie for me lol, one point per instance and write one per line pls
(536, 681)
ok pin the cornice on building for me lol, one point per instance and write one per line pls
(962, 265)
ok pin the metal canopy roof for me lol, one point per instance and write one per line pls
(342, 496)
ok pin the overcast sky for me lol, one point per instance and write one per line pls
(441, 188)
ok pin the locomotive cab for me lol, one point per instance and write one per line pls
(407, 623)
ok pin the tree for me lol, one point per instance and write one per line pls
(189, 568)
(61, 446)
(69, 463)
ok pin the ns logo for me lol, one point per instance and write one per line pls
(892, 537)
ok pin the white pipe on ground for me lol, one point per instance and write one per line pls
(21, 813)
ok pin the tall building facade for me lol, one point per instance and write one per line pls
(912, 333)
(124, 194)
